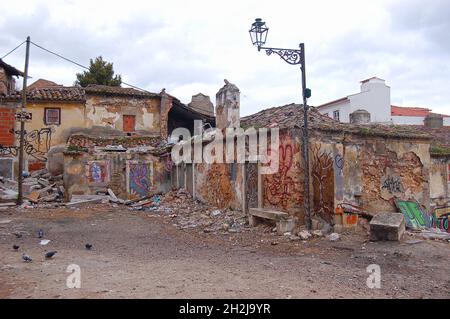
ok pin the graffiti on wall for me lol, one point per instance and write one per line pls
(283, 189)
(441, 217)
(36, 144)
(339, 176)
(98, 171)
(323, 183)
(139, 178)
(392, 184)
(414, 216)
(251, 185)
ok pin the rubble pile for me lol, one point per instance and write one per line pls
(185, 212)
(39, 187)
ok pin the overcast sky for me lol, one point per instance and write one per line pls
(189, 47)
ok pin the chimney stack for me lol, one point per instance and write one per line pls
(227, 106)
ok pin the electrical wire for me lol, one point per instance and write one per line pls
(13, 50)
(80, 65)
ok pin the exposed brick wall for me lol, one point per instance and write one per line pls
(6, 125)
(35, 166)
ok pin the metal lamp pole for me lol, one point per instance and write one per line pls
(258, 34)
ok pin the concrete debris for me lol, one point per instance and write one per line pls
(317, 233)
(387, 226)
(185, 212)
(430, 233)
(81, 200)
(215, 213)
(39, 187)
(304, 235)
(333, 237)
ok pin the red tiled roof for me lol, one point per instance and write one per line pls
(69, 94)
(291, 116)
(117, 90)
(412, 111)
(42, 83)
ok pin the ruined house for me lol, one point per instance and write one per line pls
(59, 112)
(125, 144)
(353, 167)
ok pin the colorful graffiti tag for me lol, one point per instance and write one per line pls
(140, 178)
(441, 217)
(323, 183)
(98, 171)
(415, 218)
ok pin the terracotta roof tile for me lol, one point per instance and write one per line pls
(412, 111)
(291, 116)
(42, 83)
(117, 90)
(69, 94)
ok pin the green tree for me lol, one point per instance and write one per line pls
(100, 72)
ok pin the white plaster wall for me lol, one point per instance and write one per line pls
(410, 120)
(343, 108)
(375, 98)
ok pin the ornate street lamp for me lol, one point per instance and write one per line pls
(258, 34)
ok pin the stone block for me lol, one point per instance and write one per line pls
(285, 226)
(387, 226)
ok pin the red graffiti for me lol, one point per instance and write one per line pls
(280, 188)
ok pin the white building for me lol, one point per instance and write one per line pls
(375, 98)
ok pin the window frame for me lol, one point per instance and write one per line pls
(51, 109)
(338, 117)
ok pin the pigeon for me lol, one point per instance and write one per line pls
(26, 258)
(88, 246)
(16, 247)
(40, 233)
(50, 254)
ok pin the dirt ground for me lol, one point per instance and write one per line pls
(140, 254)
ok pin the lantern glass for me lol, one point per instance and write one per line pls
(258, 32)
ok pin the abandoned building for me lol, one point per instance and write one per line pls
(354, 168)
(59, 112)
(101, 137)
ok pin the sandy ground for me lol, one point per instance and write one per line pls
(142, 255)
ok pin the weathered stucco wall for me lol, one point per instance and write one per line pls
(284, 190)
(129, 175)
(109, 111)
(72, 115)
(219, 184)
(392, 168)
(440, 180)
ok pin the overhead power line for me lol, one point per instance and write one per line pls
(78, 64)
(13, 50)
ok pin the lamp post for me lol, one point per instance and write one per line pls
(258, 34)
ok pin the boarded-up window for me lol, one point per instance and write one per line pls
(52, 116)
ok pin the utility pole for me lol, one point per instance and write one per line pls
(22, 116)
(305, 94)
